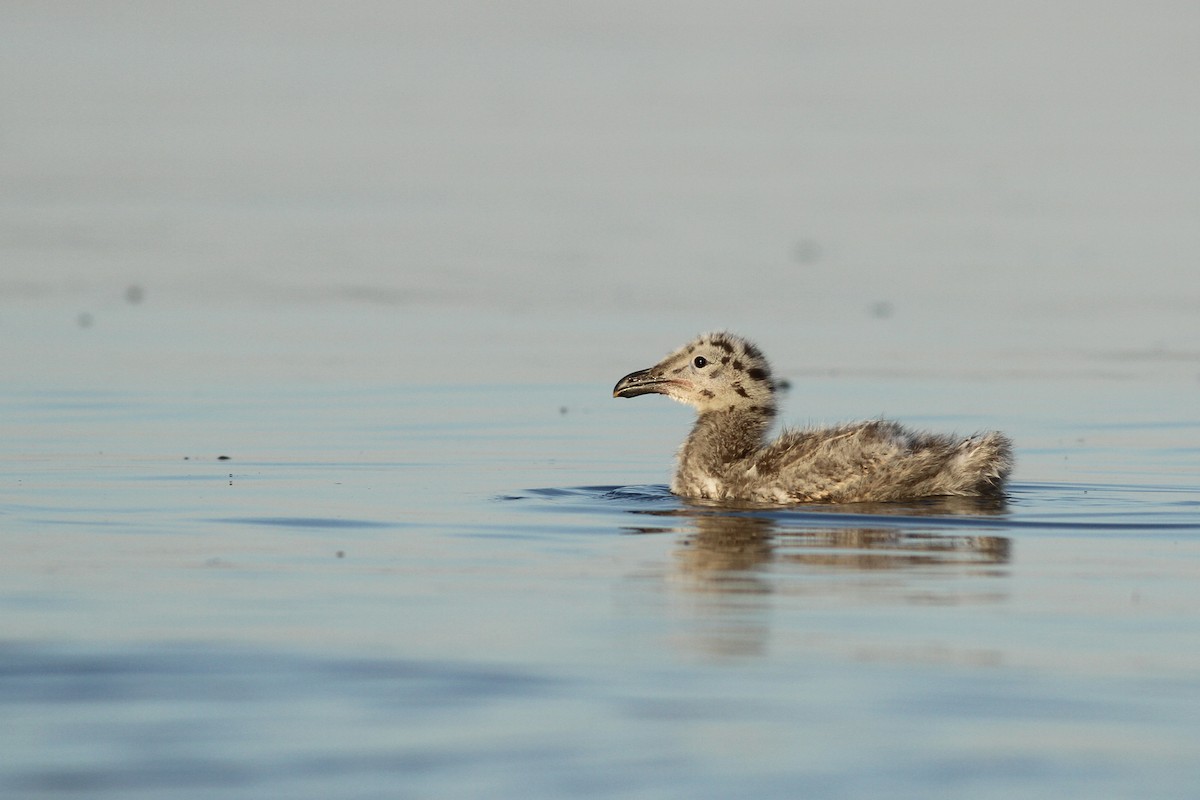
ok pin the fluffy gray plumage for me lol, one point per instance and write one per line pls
(726, 456)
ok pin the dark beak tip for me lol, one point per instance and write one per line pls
(638, 383)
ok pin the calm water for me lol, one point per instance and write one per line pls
(311, 485)
(488, 591)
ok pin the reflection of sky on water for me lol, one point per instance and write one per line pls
(1003, 189)
(390, 259)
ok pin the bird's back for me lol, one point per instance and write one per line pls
(876, 461)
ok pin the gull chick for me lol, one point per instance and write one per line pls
(726, 456)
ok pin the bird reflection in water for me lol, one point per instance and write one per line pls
(721, 539)
(733, 565)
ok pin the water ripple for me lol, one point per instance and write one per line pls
(1031, 506)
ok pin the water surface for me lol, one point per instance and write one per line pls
(448, 592)
(311, 485)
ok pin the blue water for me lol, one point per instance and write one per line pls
(445, 592)
(312, 486)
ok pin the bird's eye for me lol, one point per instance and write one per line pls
(700, 362)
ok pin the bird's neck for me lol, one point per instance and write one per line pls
(721, 437)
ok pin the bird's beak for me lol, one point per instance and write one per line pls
(644, 381)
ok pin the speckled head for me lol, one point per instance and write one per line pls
(713, 372)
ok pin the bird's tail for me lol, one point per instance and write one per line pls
(984, 462)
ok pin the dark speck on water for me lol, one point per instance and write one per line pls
(882, 309)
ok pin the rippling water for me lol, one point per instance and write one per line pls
(311, 482)
(428, 597)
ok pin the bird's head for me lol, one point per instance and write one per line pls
(713, 372)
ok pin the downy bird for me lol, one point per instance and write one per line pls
(727, 457)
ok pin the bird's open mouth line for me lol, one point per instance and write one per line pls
(649, 387)
(640, 382)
